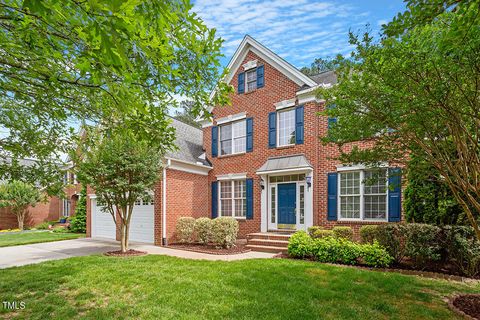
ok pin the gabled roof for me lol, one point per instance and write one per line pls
(189, 141)
(249, 43)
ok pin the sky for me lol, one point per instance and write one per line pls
(297, 30)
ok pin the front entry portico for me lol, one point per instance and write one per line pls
(287, 194)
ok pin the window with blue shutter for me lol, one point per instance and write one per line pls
(241, 82)
(249, 191)
(299, 125)
(249, 147)
(260, 77)
(272, 129)
(214, 199)
(332, 196)
(214, 141)
(394, 194)
(331, 120)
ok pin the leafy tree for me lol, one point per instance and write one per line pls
(121, 168)
(78, 223)
(416, 89)
(319, 65)
(65, 62)
(427, 198)
(186, 115)
(18, 196)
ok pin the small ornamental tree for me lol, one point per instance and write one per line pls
(18, 196)
(79, 220)
(121, 168)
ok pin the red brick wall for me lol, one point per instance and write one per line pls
(41, 212)
(258, 104)
(71, 193)
(187, 196)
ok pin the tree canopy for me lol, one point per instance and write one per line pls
(319, 65)
(99, 62)
(416, 90)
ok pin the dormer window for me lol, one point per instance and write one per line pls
(251, 83)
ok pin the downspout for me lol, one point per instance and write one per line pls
(164, 203)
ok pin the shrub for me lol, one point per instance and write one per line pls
(321, 233)
(43, 225)
(374, 255)
(224, 231)
(343, 232)
(78, 223)
(336, 250)
(392, 238)
(203, 229)
(368, 233)
(300, 245)
(462, 249)
(185, 229)
(422, 244)
(313, 229)
(60, 230)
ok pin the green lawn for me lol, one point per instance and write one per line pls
(154, 287)
(15, 239)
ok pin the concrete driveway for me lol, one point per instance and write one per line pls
(39, 252)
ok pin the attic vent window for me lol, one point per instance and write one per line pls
(251, 80)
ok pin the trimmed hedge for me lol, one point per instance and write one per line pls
(368, 233)
(224, 231)
(343, 232)
(337, 250)
(184, 229)
(203, 229)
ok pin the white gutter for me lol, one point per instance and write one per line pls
(164, 203)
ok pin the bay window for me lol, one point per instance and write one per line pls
(363, 195)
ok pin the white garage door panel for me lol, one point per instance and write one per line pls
(102, 223)
(142, 226)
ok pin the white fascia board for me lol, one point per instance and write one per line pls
(206, 123)
(232, 176)
(189, 167)
(231, 118)
(285, 104)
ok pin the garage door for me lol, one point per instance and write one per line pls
(102, 223)
(142, 223)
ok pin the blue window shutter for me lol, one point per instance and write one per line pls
(249, 134)
(241, 82)
(272, 129)
(249, 185)
(214, 141)
(260, 77)
(332, 196)
(299, 125)
(214, 199)
(394, 194)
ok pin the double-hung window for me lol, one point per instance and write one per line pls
(286, 127)
(363, 195)
(251, 83)
(233, 199)
(233, 137)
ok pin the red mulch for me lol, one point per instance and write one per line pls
(210, 249)
(129, 253)
(467, 305)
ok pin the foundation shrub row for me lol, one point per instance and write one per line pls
(221, 232)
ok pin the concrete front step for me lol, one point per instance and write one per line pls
(266, 248)
(268, 242)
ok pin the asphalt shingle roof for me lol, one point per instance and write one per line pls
(189, 141)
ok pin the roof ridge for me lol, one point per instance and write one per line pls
(188, 124)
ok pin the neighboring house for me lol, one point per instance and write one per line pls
(261, 161)
(43, 211)
(72, 193)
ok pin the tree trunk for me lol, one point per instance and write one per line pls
(123, 243)
(20, 218)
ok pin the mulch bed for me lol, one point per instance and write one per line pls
(210, 249)
(467, 305)
(129, 253)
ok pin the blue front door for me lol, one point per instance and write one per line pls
(287, 204)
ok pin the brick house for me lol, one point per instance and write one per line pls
(261, 161)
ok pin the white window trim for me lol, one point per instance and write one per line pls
(362, 193)
(284, 104)
(278, 127)
(231, 118)
(254, 70)
(232, 139)
(232, 198)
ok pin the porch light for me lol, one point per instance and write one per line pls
(262, 184)
(308, 179)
